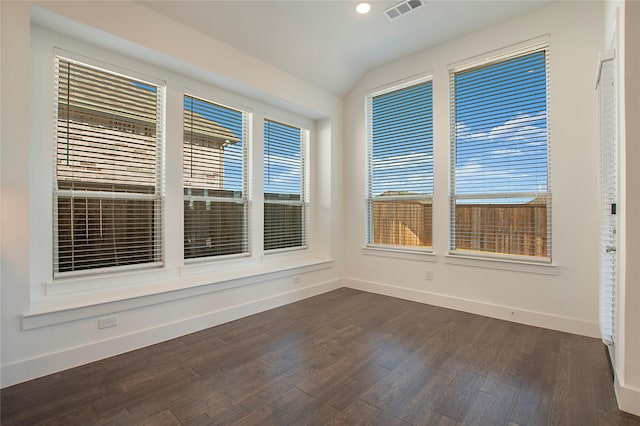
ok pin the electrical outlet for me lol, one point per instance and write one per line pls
(107, 322)
(429, 275)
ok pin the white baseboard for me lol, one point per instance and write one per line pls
(522, 316)
(43, 365)
(628, 398)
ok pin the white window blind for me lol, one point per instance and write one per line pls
(500, 196)
(215, 179)
(400, 166)
(108, 183)
(286, 191)
(608, 194)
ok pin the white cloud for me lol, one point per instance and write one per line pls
(283, 174)
(523, 127)
(414, 159)
(513, 141)
(414, 162)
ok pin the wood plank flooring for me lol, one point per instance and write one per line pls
(342, 358)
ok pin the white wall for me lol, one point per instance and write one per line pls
(45, 330)
(563, 296)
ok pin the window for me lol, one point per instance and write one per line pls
(108, 184)
(214, 179)
(500, 195)
(400, 166)
(285, 186)
(158, 192)
(606, 85)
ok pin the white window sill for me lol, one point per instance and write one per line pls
(217, 272)
(192, 281)
(79, 284)
(399, 253)
(515, 265)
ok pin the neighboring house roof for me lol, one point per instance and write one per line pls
(110, 100)
(399, 196)
(201, 130)
(539, 200)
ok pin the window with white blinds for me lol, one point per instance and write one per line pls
(286, 191)
(108, 183)
(214, 179)
(500, 195)
(608, 195)
(400, 166)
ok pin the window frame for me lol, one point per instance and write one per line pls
(247, 117)
(479, 62)
(49, 293)
(158, 197)
(383, 249)
(305, 184)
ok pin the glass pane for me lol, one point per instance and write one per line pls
(402, 141)
(505, 228)
(402, 223)
(107, 143)
(500, 151)
(501, 127)
(401, 167)
(215, 211)
(284, 198)
(101, 233)
(282, 161)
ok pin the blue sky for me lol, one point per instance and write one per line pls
(282, 152)
(282, 159)
(402, 131)
(501, 127)
(501, 132)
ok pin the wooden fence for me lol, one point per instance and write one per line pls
(103, 232)
(214, 228)
(402, 223)
(519, 229)
(106, 232)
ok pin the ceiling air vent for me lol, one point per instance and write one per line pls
(402, 8)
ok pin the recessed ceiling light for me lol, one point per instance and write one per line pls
(363, 8)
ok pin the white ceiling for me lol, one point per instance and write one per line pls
(326, 43)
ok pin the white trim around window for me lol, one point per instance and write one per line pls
(286, 190)
(108, 183)
(172, 272)
(399, 169)
(500, 194)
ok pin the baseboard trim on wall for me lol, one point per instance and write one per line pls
(43, 365)
(628, 398)
(522, 316)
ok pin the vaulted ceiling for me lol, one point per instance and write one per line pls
(326, 43)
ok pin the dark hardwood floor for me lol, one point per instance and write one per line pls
(344, 357)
